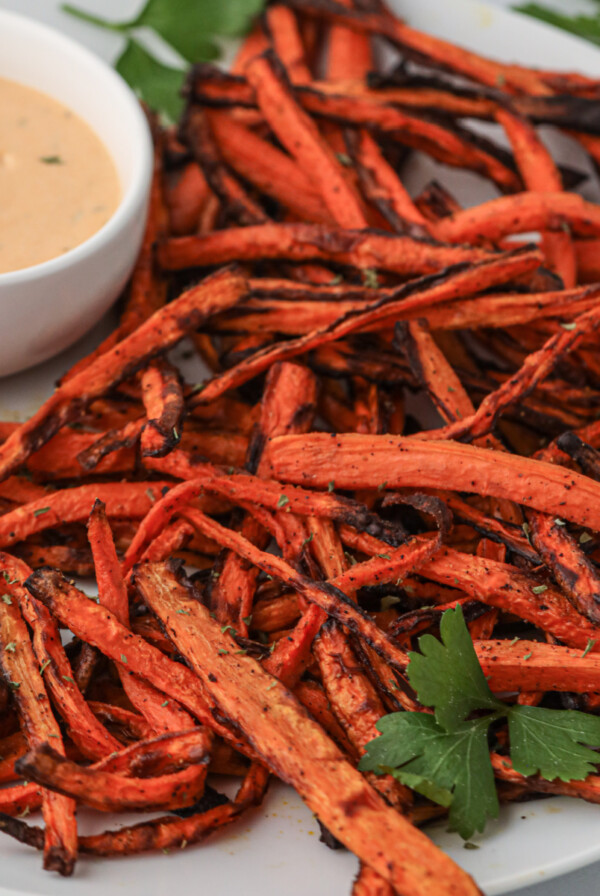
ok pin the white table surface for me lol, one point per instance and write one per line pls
(580, 883)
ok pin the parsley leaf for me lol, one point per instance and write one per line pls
(447, 676)
(550, 742)
(157, 84)
(190, 27)
(452, 768)
(587, 27)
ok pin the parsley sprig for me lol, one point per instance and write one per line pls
(192, 28)
(586, 26)
(446, 756)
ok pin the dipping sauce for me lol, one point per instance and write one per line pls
(58, 183)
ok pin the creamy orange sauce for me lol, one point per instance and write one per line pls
(58, 183)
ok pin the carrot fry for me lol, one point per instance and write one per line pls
(296, 131)
(540, 174)
(416, 294)
(112, 592)
(319, 772)
(20, 669)
(234, 198)
(491, 221)
(287, 43)
(287, 406)
(84, 729)
(366, 461)
(272, 171)
(158, 333)
(99, 627)
(69, 505)
(163, 400)
(110, 792)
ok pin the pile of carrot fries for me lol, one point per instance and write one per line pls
(400, 415)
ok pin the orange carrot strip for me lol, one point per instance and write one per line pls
(417, 294)
(310, 242)
(112, 592)
(287, 43)
(440, 52)
(83, 728)
(519, 214)
(358, 461)
(532, 665)
(236, 201)
(268, 168)
(186, 198)
(297, 132)
(540, 174)
(20, 668)
(97, 626)
(163, 400)
(131, 501)
(147, 293)
(110, 792)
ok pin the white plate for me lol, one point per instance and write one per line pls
(275, 850)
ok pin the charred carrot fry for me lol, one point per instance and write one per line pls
(159, 755)
(19, 799)
(367, 461)
(547, 667)
(272, 171)
(349, 53)
(573, 571)
(282, 27)
(277, 738)
(305, 242)
(540, 174)
(384, 186)
(519, 214)
(20, 669)
(99, 627)
(161, 331)
(535, 368)
(255, 43)
(454, 148)
(313, 697)
(355, 702)
(504, 587)
(68, 505)
(110, 792)
(369, 883)
(238, 204)
(417, 294)
(163, 400)
(186, 198)
(91, 736)
(297, 132)
(112, 592)
(116, 440)
(288, 406)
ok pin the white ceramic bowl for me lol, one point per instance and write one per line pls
(46, 307)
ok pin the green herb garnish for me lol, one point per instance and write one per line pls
(445, 756)
(587, 27)
(189, 27)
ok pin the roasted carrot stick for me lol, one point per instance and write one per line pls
(161, 331)
(21, 672)
(354, 461)
(325, 781)
(297, 132)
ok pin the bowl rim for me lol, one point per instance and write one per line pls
(138, 132)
